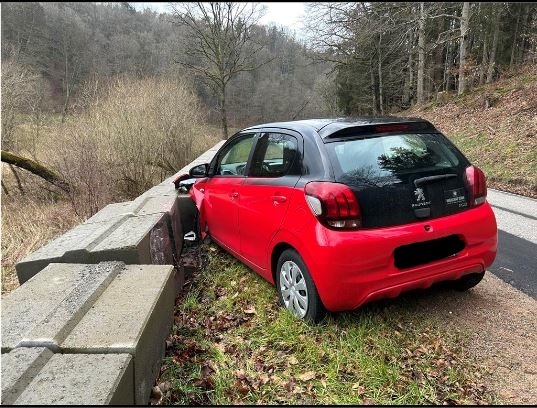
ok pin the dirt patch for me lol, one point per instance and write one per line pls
(502, 326)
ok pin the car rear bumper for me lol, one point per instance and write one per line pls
(351, 268)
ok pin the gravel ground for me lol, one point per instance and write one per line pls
(502, 325)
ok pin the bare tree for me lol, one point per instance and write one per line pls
(421, 54)
(221, 43)
(492, 57)
(465, 19)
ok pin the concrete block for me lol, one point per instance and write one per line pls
(82, 379)
(69, 247)
(19, 367)
(137, 240)
(149, 205)
(160, 189)
(43, 311)
(170, 205)
(141, 239)
(134, 316)
(111, 211)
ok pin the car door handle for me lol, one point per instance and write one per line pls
(278, 199)
(234, 195)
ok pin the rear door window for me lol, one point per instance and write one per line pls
(276, 155)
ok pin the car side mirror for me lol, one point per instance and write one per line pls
(199, 171)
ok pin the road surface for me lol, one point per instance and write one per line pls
(516, 261)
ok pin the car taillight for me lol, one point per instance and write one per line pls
(334, 204)
(477, 185)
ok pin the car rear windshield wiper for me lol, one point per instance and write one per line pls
(428, 179)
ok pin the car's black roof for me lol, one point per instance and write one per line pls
(328, 126)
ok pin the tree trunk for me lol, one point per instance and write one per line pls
(67, 88)
(421, 54)
(410, 79)
(464, 43)
(524, 37)
(492, 57)
(484, 61)
(381, 98)
(373, 87)
(37, 169)
(447, 67)
(223, 113)
(515, 37)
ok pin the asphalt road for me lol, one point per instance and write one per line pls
(516, 261)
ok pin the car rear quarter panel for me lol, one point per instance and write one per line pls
(350, 268)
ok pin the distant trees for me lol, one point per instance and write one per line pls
(389, 55)
(360, 58)
(68, 44)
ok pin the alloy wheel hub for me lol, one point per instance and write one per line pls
(293, 288)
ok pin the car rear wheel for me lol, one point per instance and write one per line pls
(296, 289)
(468, 281)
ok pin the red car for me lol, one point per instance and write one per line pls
(340, 212)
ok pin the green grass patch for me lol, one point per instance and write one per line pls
(232, 343)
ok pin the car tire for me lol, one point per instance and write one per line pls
(308, 304)
(468, 281)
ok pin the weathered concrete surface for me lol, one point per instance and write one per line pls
(82, 379)
(19, 367)
(108, 308)
(140, 239)
(42, 312)
(70, 247)
(134, 315)
(107, 322)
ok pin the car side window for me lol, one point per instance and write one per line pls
(232, 160)
(276, 155)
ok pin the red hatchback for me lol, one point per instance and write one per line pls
(339, 212)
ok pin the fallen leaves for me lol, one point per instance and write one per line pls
(358, 388)
(158, 392)
(307, 376)
(250, 310)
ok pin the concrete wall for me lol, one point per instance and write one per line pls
(147, 230)
(88, 323)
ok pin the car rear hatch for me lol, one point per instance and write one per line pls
(400, 176)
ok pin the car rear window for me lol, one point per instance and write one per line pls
(386, 157)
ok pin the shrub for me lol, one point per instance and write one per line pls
(130, 138)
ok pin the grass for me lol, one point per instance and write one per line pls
(232, 344)
(27, 224)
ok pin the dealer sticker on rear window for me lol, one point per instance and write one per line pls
(455, 197)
